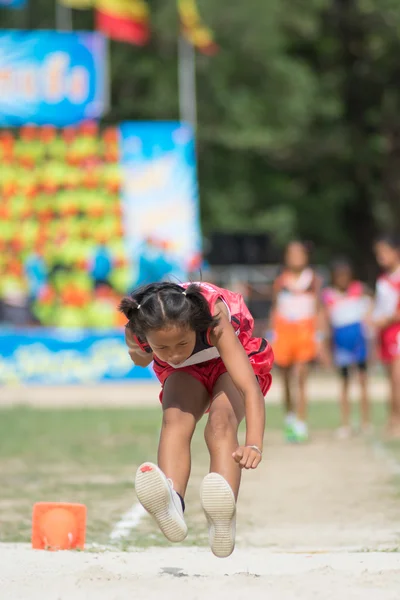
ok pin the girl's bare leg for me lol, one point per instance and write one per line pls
(344, 402)
(364, 397)
(221, 432)
(302, 401)
(394, 403)
(161, 489)
(184, 402)
(220, 489)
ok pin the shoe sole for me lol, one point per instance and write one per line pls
(154, 495)
(219, 506)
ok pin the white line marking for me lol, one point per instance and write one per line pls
(127, 523)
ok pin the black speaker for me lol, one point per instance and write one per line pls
(240, 249)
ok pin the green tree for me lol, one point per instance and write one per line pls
(299, 123)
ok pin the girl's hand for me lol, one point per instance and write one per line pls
(248, 457)
(138, 356)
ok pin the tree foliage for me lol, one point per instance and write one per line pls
(299, 123)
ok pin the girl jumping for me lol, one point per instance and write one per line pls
(387, 321)
(199, 338)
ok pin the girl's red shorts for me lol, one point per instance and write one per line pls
(260, 355)
(390, 343)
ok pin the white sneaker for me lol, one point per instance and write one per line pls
(290, 419)
(157, 495)
(219, 505)
(301, 431)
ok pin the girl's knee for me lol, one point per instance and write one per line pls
(177, 421)
(221, 424)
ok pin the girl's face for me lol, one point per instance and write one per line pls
(296, 257)
(173, 345)
(342, 277)
(387, 257)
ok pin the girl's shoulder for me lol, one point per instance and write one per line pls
(356, 288)
(391, 278)
(203, 286)
(307, 281)
(211, 290)
(279, 281)
(330, 295)
(214, 294)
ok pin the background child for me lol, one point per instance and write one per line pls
(200, 339)
(347, 306)
(294, 321)
(387, 321)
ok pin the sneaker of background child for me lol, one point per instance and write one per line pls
(219, 505)
(289, 428)
(156, 494)
(301, 431)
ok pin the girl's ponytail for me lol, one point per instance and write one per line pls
(128, 306)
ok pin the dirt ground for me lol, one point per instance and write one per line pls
(328, 495)
(319, 521)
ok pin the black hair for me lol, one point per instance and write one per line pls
(306, 245)
(157, 305)
(391, 239)
(341, 262)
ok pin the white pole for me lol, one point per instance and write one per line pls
(187, 82)
(63, 17)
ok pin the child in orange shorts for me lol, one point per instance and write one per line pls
(295, 339)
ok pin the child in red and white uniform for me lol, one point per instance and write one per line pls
(348, 306)
(199, 338)
(387, 321)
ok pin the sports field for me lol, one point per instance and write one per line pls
(316, 521)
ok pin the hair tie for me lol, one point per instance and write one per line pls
(138, 306)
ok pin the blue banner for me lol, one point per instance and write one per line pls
(59, 357)
(13, 3)
(52, 78)
(160, 199)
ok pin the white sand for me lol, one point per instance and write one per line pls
(193, 574)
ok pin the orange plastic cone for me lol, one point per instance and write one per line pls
(58, 526)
